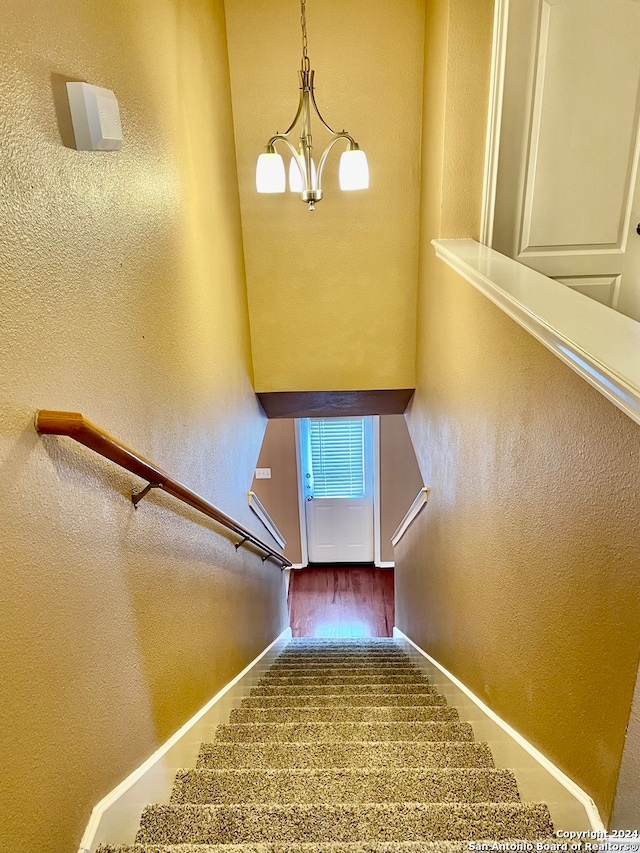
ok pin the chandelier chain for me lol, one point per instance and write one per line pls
(306, 65)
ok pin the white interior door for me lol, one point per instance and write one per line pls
(567, 202)
(338, 482)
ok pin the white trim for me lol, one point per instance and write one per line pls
(299, 565)
(377, 533)
(385, 564)
(599, 344)
(494, 121)
(116, 818)
(302, 510)
(287, 579)
(419, 503)
(256, 505)
(550, 770)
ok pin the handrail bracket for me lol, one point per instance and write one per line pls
(136, 497)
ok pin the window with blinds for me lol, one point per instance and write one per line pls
(337, 457)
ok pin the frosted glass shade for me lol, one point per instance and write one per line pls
(295, 178)
(270, 177)
(354, 170)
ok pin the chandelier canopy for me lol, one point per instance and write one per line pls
(305, 177)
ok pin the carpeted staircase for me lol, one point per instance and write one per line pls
(344, 747)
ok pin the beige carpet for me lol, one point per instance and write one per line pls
(343, 747)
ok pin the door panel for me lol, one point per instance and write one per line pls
(340, 527)
(604, 288)
(340, 530)
(569, 145)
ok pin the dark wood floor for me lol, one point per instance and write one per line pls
(341, 601)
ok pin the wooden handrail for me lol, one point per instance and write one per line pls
(76, 426)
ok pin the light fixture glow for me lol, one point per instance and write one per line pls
(354, 170)
(304, 178)
(270, 177)
(295, 175)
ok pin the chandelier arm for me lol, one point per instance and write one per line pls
(282, 138)
(297, 115)
(318, 113)
(338, 137)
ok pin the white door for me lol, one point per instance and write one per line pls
(566, 197)
(338, 477)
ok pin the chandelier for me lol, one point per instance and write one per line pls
(304, 177)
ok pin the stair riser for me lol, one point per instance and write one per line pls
(238, 825)
(322, 756)
(323, 732)
(344, 787)
(367, 714)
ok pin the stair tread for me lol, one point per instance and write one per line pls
(342, 746)
(322, 732)
(467, 785)
(340, 754)
(350, 677)
(359, 822)
(320, 700)
(340, 660)
(318, 659)
(335, 670)
(320, 847)
(331, 660)
(338, 689)
(366, 713)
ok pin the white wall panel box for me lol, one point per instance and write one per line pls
(95, 116)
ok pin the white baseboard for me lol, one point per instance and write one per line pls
(539, 780)
(116, 818)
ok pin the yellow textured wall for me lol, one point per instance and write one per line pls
(338, 284)
(122, 297)
(521, 576)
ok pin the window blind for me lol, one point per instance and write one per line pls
(337, 457)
